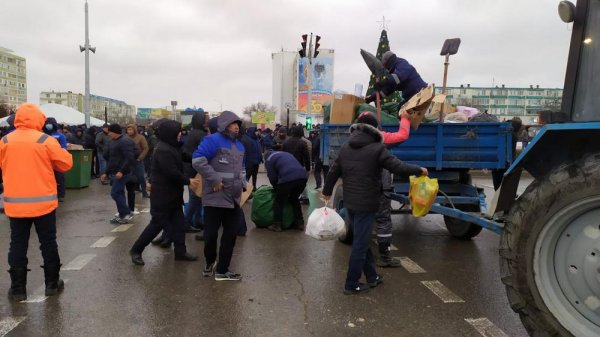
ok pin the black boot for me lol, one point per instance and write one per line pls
(18, 284)
(52, 277)
(299, 224)
(275, 227)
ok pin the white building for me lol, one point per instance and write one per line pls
(285, 82)
(13, 78)
(290, 89)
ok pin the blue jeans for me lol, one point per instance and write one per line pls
(193, 209)
(102, 163)
(117, 192)
(140, 173)
(361, 257)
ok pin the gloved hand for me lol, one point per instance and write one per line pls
(370, 98)
(377, 86)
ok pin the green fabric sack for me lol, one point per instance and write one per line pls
(262, 209)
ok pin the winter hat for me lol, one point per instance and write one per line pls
(387, 59)
(115, 128)
(368, 118)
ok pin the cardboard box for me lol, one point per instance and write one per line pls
(417, 106)
(343, 107)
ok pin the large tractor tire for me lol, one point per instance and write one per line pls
(550, 252)
(338, 204)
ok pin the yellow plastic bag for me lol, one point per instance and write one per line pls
(421, 194)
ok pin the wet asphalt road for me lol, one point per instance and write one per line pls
(292, 284)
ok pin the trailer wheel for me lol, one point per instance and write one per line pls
(550, 252)
(461, 229)
(338, 204)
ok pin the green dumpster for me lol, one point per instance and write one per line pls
(79, 175)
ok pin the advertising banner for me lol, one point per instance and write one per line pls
(322, 83)
(263, 117)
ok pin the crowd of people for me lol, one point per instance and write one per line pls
(216, 156)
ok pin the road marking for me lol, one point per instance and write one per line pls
(122, 228)
(40, 297)
(411, 266)
(485, 327)
(79, 262)
(440, 290)
(9, 323)
(103, 242)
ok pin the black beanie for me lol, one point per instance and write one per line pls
(368, 118)
(115, 128)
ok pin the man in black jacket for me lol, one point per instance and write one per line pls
(193, 211)
(166, 200)
(297, 147)
(121, 160)
(359, 164)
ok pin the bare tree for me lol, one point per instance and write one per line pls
(552, 103)
(256, 107)
(5, 110)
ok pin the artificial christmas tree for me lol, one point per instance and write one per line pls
(384, 45)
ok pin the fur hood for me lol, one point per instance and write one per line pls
(363, 134)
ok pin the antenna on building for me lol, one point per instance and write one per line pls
(87, 48)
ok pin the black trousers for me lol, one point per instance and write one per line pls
(214, 218)
(289, 191)
(252, 171)
(60, 184)
(20, 229)
(320, 168)
(171, 220)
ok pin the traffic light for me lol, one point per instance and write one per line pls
(302, 51)
(308, 123)
(317, 45)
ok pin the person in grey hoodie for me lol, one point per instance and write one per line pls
(220, 161)
(101, 142)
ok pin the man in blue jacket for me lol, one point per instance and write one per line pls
(403, 77)
(253, 155)
(288, 178)
(51, 128)
(121, 162)
(220, 161)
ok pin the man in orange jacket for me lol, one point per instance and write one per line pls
(28, 158)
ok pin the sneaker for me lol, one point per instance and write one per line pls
(387, 261)
(209, 269)
(115, 220)
(378, 280)
(128, 217)
(135, 212)
(228, 276)
(360, 289)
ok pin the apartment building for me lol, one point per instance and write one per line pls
(117, 111)
(13, 78)
(506, 102)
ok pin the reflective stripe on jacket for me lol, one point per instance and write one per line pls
(28, 159)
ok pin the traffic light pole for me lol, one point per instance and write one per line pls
(309, 77)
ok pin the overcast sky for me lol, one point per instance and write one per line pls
(208, 53)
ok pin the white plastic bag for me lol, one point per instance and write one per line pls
(325, 224)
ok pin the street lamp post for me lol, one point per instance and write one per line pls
(87, 48)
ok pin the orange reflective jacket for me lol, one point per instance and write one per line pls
(28, 159)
